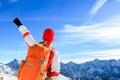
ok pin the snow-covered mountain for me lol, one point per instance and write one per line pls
(14, 64)
(9, 71)
(93, 70)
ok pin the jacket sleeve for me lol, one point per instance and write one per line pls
(26, 35)
(55, 66)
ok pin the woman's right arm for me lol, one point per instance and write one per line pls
(25, 33)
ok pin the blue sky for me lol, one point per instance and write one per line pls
(85, 29)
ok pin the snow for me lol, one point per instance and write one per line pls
(7, 70)
(12, 77)
(7, 73)
(8, 77)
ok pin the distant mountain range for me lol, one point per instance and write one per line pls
(93, 70)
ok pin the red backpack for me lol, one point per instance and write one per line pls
(35, 65)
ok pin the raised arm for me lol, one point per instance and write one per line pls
(25, 32)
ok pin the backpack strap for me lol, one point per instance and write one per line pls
(50, 61)
(47, 59)
(42, 63)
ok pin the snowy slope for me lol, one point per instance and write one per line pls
(12, 77)
(7, 72)
(7, 76)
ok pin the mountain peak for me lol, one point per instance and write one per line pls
(13, 64)
(15, 60)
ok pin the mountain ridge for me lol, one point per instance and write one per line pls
(92, 70)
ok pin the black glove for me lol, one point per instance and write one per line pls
(17, 22)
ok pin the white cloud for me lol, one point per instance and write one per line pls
(88, 56)
(83, 60)
(99, 4)
(77, 60)
(105, 53)
(106, 33)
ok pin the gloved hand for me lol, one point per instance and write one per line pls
(17, 22)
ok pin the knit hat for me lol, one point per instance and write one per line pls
(48, 36)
